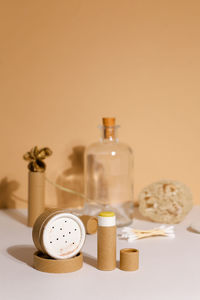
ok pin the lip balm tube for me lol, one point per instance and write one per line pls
(106, 241)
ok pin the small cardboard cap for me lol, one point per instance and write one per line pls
(44, 263)
(90, 224)
(129, 259)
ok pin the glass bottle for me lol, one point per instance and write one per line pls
(109, 175)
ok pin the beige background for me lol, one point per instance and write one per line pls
(65, 64)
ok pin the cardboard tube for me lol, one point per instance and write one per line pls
(39, 225)
(36, 196)
(59, 234)
(90, 224)
(129, 259)
(106, 241)
(44, 263)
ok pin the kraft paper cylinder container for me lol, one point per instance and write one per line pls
(36, 181)
(129, 259)
(90, 224)
(44, 263)
(59, 234)
(106, 241)
(36, 196)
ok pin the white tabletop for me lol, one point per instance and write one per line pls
(169, 268)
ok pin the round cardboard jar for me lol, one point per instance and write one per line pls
(44, 263)
(58, 234)
(129, 259)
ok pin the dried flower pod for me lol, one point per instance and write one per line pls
(35, 157)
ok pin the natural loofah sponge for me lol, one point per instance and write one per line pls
(165, 201)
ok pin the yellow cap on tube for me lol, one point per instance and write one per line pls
(106, 214)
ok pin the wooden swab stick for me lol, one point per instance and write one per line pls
(132, 234)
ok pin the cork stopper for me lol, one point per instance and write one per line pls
(109, 130)
(109, 121)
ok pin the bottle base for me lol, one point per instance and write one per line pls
(123, 212)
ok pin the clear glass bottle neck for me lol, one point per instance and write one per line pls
(109, 133)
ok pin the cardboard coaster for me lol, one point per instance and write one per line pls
(90, 224)
(44, 263)
(129, 259)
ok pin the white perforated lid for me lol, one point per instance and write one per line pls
(63, 236)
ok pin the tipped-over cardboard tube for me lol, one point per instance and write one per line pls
(129, 259)
(38, 226)
(44, 263)
(90, 224)
(58, 234)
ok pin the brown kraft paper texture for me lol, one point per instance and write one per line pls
(36, 196)
(90, 224)
(129, 259)
(44, 263)
(106, 249)
(39, 227)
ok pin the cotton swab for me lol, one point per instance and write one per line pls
(130, 234)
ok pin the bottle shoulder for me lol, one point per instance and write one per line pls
(100, 147)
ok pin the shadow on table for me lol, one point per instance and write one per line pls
(23, 253)
(17, 215)
(118, 264)
(191, 229)
(90, 260)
